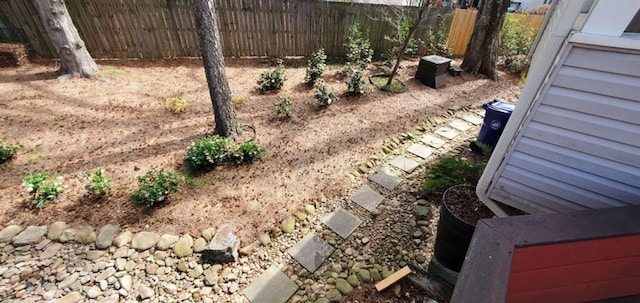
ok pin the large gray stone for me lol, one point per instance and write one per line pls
(31, 235)
(367, 198)
(106, 235)
(223, 247)
(404, 163)
(432, 141)
(9, 232)
(420, 150)
(272, 286)
(311, 251)
(55, 230)
(86, 235)
(342, 222)
(144, 240)
(386, 179)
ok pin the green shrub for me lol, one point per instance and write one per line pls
(516, 39)
(272, 79)
(203, 154)
(284, 107)
(316, 66)
(98, 184)
(155, 187)
(437, 41)
(357, 84)
(449, 172)
(323, 95)
(246, 152)
(8, 151)
(41, 189)
(358, 48)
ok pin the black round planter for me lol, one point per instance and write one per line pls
(453, 236)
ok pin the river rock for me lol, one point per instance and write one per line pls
(106, 235)
(333, 295)
(288, 225)
(86, 235)
(123, 239)
(56, 229)
(31, 235)
(146, 292)
(223, 247)
(184, 246)
(208, 233)
(166, 241)
(144, 240)
(9, 232)
(343, 286)
(70, 298)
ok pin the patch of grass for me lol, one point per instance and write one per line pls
(381, 82)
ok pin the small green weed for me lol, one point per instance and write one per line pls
(176, 105)
(284, 107)
(8, 151)
(98, 184)
(272, 79)
(155, 187)
(41, 189)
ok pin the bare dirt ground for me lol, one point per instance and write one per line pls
(75, 126)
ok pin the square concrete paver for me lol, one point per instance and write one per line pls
(471, 118)
(272, 286)
(420, 150)
(311, 251)
(460, 125)
(386, 179)
(432, 141)
(447, 132)
(342, 222)
(367, 198)
(480, 112)
(404, 163)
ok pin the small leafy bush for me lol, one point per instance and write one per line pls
(42, 189)
(516, 39)
(203, 154)
(155, 187)
(272, 79)
(316, 66)
(358, 48)
(437, 41)
(246, 152)
(323, 95)
(357, 84)
(284, 107)
(8, 151)
(176, 105)
(98, 184)
(449, 172)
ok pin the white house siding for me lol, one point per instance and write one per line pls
(580, 149)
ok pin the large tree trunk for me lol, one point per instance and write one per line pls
(481, 56)
(75, 60)
(207, 25)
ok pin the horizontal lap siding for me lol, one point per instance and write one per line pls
(581, 148)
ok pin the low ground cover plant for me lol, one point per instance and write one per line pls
(98, 184)
(206, 153)
(8, 151)
(155, 187)
(42, 189)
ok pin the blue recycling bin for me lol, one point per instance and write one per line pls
(497, 113)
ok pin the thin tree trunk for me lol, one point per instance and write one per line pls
(210, 46)
(481, 56)
(75, 60)
(424, 9)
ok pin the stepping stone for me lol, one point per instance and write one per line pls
(447, 132)
(311, 251)
(460, 125)
(342, 222)
(272, 286)
(404, 163)
(386, 179)
(432, 141)
(367, 198)
(471, 118)
(480, 112)
(420, 150)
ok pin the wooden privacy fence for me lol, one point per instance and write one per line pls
(463, 23)
(165, 28)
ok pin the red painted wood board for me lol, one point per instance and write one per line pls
(581, 293)
(567, 253)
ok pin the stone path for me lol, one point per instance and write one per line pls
(60, 264)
